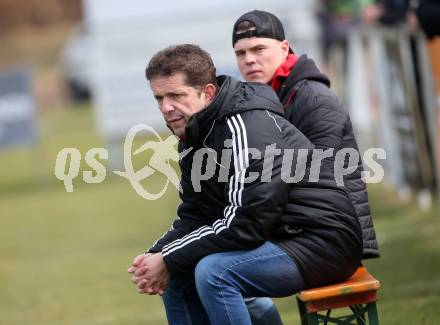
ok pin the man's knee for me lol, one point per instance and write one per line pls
(208, 272)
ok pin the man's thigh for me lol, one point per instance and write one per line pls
(263, 271)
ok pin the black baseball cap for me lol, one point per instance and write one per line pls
(266, 25)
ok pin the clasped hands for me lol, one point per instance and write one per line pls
(149, 273)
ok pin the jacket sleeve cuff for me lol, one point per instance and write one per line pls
(172, 267)
(152, 250)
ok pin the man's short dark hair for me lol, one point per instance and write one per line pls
(189, 59)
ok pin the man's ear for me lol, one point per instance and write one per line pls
(285, 48)
(210, 91)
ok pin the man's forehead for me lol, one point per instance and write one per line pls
(247, 43)
(168, 81)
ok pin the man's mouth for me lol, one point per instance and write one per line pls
(174, 119)
(253, 72)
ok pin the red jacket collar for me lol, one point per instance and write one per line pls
(283, 71)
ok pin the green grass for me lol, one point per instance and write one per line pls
(64, 255)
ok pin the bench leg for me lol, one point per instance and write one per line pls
(302, 311)
(372, 313)
(359, 310)
(312, 319)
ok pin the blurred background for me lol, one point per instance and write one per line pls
(72, 76)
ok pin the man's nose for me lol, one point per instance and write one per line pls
(249, 58)
(166, 106)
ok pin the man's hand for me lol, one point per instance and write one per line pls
(138, 269)
(153, 276)
(137, 261)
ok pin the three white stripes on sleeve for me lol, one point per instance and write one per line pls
(236, 184)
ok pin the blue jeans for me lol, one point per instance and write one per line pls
(263, 311)
(221, 281)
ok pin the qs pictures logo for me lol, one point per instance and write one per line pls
(205, 163)
(68, 161)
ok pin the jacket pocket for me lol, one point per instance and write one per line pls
(288, 231)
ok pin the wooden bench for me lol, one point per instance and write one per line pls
(359, 293)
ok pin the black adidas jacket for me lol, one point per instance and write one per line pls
(316, 111)
(315, 223)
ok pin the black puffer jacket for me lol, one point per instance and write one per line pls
(315, 223)
(313, 108)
